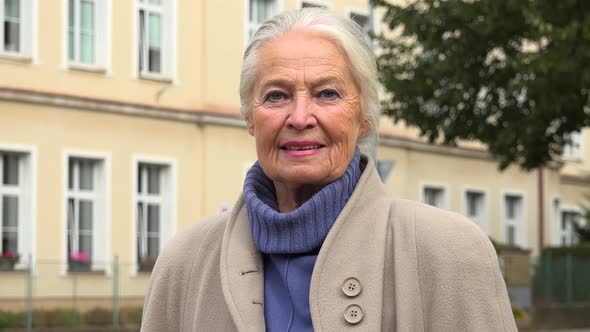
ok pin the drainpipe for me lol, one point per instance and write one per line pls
(541, 209)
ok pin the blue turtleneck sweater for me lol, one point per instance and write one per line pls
(290, 242)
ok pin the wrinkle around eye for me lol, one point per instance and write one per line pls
(275, 97)
(329, 94)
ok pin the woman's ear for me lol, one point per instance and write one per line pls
(250, 123)
(365, 127)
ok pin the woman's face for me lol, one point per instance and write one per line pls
(306, 114)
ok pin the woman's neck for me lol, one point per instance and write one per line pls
(290, 197)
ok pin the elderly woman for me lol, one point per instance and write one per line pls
(316, 243)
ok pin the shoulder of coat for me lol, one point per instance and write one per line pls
(190, 240)
(440, 232)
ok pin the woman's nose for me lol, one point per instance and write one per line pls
(302, 116)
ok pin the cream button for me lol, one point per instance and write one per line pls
(353, 314)
(351, 287)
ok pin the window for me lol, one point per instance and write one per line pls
(514, 220)
(313, 4)
(81, 31)
(16, 205)
(16, 32)
(435, 196)
(568, 235)
(11, 192)
(154, 210)
(86, 214)
(155, 38)
(573, 150)
(475, 207)
(258, 12)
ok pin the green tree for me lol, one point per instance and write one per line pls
(513, 74)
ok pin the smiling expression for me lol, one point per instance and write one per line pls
(306, 110)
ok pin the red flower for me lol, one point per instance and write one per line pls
(81, 256)
(10, 254)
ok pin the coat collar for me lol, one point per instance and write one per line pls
(358, 235)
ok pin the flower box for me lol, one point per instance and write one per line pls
(77, 266)
(7, 260)
(79, 262)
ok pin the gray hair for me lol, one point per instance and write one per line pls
(345, 32)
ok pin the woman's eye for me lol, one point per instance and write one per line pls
(329, 94)
(275, 96)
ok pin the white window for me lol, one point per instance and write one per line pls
(435, 196)
(574, 149)
(87, 225)
(16, 28)
(87, 32)
(258, 12)
(16, 217)
(314, 4)
(569, 219)
(156, 44)
(475, 208)
(514, 220)
(154, 210)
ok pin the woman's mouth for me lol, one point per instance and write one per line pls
(301, 149)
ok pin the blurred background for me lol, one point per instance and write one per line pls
(120, 125)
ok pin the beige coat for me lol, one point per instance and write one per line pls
(417, 268)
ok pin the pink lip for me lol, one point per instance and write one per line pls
(301, 153)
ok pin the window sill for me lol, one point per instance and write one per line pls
(87, 69)
(89, 272)
(155, 78)
(16, 271)
(16, 58)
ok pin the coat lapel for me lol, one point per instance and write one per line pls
(242, 275)
(353, 250)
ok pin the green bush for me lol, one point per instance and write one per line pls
(131, 315)
(57, 318)
(10, 319)
(580, 250)
(98, 316)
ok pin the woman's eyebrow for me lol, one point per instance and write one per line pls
(324, 80)
(280, 82)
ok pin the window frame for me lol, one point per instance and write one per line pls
(482, 219)
(569, 232)
(27, 32)
(168, 56)
(168, 209)
(101, 225)
(571, 152)
(27, 198)
(102, 38)
(249, 26)
(520, 223)
(445, 194)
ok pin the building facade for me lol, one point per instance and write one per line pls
(120, 125)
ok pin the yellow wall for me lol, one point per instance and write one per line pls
(51, 75)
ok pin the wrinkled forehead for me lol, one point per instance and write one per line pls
(303, 52)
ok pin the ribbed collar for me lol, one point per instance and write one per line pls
(303, 229)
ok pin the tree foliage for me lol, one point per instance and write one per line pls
(513, 74)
